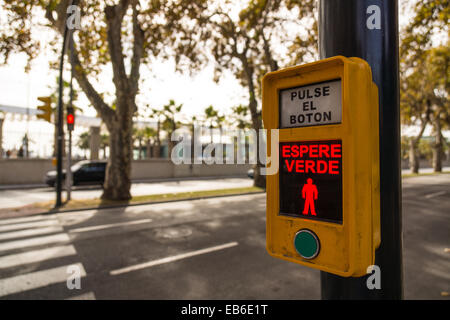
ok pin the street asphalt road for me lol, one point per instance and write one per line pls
(10, 198)
(202, 249)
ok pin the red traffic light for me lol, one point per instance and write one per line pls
(70, 119)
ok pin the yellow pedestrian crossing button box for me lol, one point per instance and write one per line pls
(323, 204)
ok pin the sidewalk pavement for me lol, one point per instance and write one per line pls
(134, 181)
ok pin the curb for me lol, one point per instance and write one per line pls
(134, 181)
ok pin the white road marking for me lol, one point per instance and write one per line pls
(36, 280)
(436, 194)
(112, 225)
(19, 259)
(29, 232)
(84, 296)
(28, 225)
(172, 259)
(60, 237)
(24, 219)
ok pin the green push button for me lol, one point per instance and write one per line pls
(307, 244)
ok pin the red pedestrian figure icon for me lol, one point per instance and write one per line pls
(309, 193)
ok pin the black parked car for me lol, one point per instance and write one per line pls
(83, 172)
(251, 173)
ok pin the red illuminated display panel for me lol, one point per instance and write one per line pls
(311, 180)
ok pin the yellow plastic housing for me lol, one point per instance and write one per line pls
(346, 249)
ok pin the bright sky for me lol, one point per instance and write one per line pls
(160, 85)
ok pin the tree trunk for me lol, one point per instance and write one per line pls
(1, 138)
(413, 144)
(259, 179)
(170, 143)
(413, 157)
(157, 151)
(157, 147)
(211, 133)
(192, 144)
(140, 149)
(437, 148)
(118, 171)
(148, 149)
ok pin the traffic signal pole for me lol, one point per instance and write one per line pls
(368, 29)
(70, 127)
(69, 149)
(60, 124)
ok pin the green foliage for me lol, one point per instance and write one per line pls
(430, 17)
(425, 149)
(83, 141)
(148, 133)
(104, 140)
(211, 115)
(240, 117)
(248, 44)
(169, 111)
(424, 63)
(424, 72)
(405, 145)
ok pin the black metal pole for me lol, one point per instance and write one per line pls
(69, 149)
(60, 124)
(369, 29)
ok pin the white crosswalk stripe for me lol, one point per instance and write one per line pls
(84, 296)
(25, 219)
(28, 225)
(18, 259)
(29, 242)
(26, 243)
(38, 241)
(38, 279)
(29, 232)
(111, 225)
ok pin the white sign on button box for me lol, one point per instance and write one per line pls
(311, 105)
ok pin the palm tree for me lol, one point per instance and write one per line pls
(220, 119)
(2, 115)
(155, 113)
(104, 143)
(241, 116)
(211, 116)
(138, 134)
(149, 135)
(170, 124)
(83, 142)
